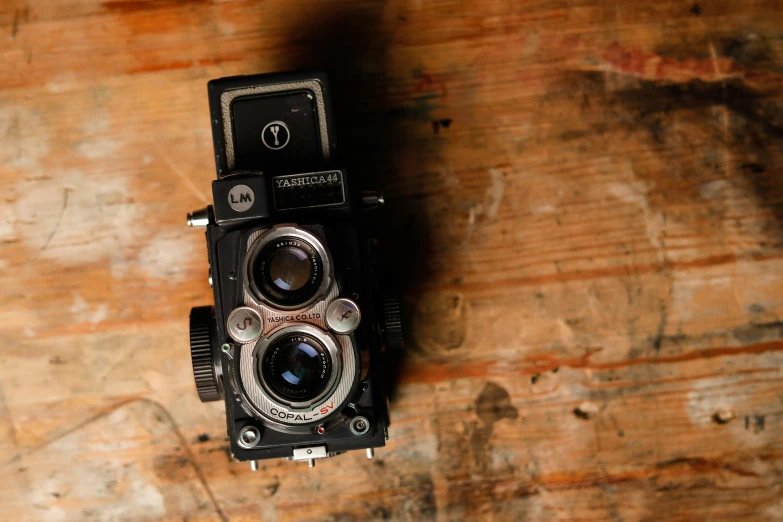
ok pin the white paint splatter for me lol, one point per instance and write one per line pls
(97, 148)
(546, 208)
(494, 193)
(83, 312)
(61, 83)
(76, 219)
(96, 145)
(713, 189)
(7, 228)
(100, 314)
(636, 193)
(147, 159)
(25, 138)
(79, 305)
(162, 256)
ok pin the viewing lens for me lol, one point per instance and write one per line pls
(289, 268)
(296, 367)
(287, 272)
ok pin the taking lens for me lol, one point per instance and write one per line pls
(296, 367)
(287, 272)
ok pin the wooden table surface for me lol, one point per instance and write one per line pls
(585, 204)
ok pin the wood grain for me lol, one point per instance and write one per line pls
(585, 201)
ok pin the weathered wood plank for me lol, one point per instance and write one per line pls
(585, 200)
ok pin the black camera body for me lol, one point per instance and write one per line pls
(293, 345)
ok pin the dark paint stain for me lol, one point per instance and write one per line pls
(381, 513)
(650, 101)
(416, 502)
(203, 437)
(701, 464)
(755, 332)
(753, 122)
(272, 488)
(494, 404)
(753, 168)
(621, 433)
(20, 15)
(173, 468)
(466, 460)
(437, 124)
(534, 379)
(696, 9)
(15, 25)
(750, 50)
(555, 369)
(595, 131)
(57, 360)
(582, 414)
(659, 335)
(419, 110)
(420, 504)
(758, 422)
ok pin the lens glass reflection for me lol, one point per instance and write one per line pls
(289, 269)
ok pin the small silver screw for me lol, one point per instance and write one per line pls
(359, 425)
(248, 437)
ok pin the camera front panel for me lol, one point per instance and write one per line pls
(298, 372)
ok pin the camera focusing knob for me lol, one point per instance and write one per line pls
(202, 337)
(392, 323)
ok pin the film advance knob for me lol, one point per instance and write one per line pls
(202, 337)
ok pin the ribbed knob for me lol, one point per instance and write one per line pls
(392, 323)
(202, 337)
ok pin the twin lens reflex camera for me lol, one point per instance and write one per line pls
(293, 344)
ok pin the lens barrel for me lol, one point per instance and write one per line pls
(296, 367)
(287, 271)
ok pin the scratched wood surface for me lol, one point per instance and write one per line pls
(586, 209)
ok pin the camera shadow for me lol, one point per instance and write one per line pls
(350, 43)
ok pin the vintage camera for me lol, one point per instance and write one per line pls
(293, 344)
